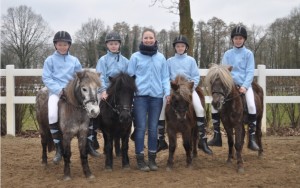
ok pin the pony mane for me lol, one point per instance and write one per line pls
(184, 88)
(219, 72)
(121, 80)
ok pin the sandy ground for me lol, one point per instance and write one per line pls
(279, 167)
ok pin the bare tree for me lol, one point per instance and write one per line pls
(124, 30)
(135, 35)
(186, 24)
(88, 38)
(24, 33)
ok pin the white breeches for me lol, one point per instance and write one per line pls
(53, 108)
(250, 102)
(196, 103)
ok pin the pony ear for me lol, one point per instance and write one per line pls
(133, 77)
(210, 65)
(174, 86)
(80, 74)
(110, 78)
(230, 68)
(191, 85)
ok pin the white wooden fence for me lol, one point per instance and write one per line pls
(10, 99)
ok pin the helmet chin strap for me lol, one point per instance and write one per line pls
(185, 51)
(65, 53)
(240, 46)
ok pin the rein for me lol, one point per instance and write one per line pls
(63, 97)
(229, 99)
(117, 107)
(113, 109)
(226, 98)
(83, 106)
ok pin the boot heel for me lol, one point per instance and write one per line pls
(142, 166)
(152, 163)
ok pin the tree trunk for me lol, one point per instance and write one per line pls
(186, 23)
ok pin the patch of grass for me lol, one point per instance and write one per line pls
(30, 122)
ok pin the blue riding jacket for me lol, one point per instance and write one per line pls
(242, 61)
(110, 65)
(152, 75)
(184, 65)
(58, 70)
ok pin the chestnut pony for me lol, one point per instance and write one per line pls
(232, 108)
(181, 118)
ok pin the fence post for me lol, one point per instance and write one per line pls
(10, 105)
(262, 82)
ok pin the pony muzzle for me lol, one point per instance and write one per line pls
(218, 100)
(93, 110)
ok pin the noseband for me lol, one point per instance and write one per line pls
(118, 108)
(83, 106)
(185, 109)
(226, 97)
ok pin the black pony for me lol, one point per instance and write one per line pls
(115, 118)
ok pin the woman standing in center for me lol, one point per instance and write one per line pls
(152, 80)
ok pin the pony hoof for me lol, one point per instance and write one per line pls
(241, 170)
(44, 164)
(126, 167)
(189, 166)
(108, 169)
(169, 169)
(67, 178)
(90, 176)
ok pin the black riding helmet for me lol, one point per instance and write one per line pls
(239, 31)
(113, 36)
(181, 39)
(62, 36)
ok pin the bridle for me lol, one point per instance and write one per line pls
(82, 106)
(185, 109)
(118, 108)
(226, 97)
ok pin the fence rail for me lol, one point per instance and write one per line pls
(10, 99)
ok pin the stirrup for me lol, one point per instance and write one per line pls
(162, 145)
(91, 150)
(216, 140)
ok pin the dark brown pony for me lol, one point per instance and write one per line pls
(228, 101)
(115, 118)
(181, 118)
(76, 107)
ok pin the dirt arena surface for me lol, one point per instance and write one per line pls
(279, 167)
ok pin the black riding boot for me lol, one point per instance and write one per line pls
(152, 163)
(252, 128)
(161, 142)
(90, 140)
(217, 140)
(57, 137)
(202, 144)
(95, 143)
(141, 163)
